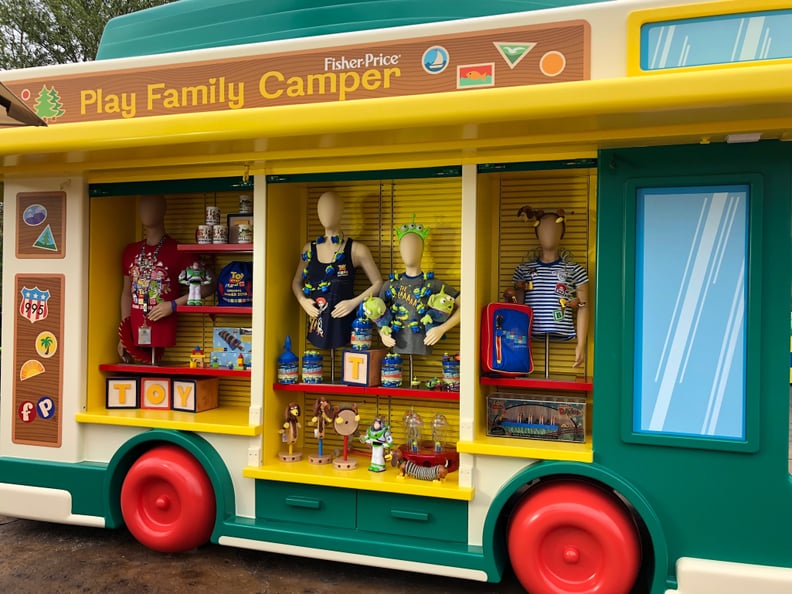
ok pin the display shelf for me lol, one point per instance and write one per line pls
(215, 310)
(344, 390)
(529, 448)
(216, 248)
(361, 478)
(229, 420)
(172, 370)
(564, 384)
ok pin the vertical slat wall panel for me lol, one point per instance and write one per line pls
(517, 242)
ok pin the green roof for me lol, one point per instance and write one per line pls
(196, 24)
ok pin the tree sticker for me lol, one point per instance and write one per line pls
(48, 104)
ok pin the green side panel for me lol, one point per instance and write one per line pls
(713, 501)
(84, 480)
(196, 24)
(171, 186)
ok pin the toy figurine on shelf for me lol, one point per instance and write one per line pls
(324, 281)
(413, 424)
(378, 436)
(197, 358)
(291, 432)
(439, 432)
(323, 414)
(195, 276)
(552, 284)
(414, 325)
(240, 362)
(408, 468)
(346, 423)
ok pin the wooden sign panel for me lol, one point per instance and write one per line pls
(508, 57)
(38, 359)
(40, 225)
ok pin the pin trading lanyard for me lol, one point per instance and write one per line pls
(145, 271)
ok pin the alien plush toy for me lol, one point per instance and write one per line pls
(439, 308)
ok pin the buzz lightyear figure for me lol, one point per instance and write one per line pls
(378, 436)
(195, 276)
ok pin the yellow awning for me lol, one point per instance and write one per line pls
(517, 123)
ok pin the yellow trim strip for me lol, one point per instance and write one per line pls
(535, 449)
(361, 478)
(760, 85)
(228, 420)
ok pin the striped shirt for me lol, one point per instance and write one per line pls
(545, 285)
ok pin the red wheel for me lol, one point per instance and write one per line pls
(167, 500)
(570, 537)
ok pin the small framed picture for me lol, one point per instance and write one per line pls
(240, 228)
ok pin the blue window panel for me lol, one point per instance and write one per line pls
(727, 39)
(690, 311)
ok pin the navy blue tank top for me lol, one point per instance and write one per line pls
(327, 332)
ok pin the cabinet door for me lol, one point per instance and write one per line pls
(305, 504)
(408, 515)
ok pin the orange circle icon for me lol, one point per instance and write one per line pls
(552, 63)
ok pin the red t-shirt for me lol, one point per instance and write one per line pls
(153, 281)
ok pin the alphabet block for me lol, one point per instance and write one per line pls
(155, 393)
(195, 395)
(361, 368)
(122, 392)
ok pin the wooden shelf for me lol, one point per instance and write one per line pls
(344, 390)
(528, 448)
(565, 384)
(216, 248)
(172, 370)
(361, 478)
(221, 310)
(229, 420)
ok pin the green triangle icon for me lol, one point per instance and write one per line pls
(513, 52)
(46, 241)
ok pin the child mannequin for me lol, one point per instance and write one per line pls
(407, 294)
(554, 286)
(324, 281)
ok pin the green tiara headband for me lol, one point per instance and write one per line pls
(412, 227)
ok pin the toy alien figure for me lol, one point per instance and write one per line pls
(195, 276)
(414, 324)
(291, 432)
(379, 438)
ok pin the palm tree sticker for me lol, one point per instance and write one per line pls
(49, 106)
(46, 344)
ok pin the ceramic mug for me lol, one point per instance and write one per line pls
(244, 233)
(203, 234)
(245, 204)
(220, 234)
(212, 215)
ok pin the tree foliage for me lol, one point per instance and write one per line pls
(42, 32)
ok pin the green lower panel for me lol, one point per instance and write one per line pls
(84, 480)
(408, 515)
(305, 504)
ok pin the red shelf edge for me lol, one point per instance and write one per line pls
(171, 370)
(540, 383)
(215, 309)
(346, 390)
(209, 248)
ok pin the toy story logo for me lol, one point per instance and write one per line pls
(515, 56)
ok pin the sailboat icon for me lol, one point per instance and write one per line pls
(435, 59)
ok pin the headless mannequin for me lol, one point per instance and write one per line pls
(152, 216)
(330, 208)
(549, 233)
(411, 249)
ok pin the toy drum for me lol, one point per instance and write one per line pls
(212, 215)
(312, 367)
(244, 233)
(245, 204)
(220, 234)
(362, 334)
(391, 374)
(203, 234)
